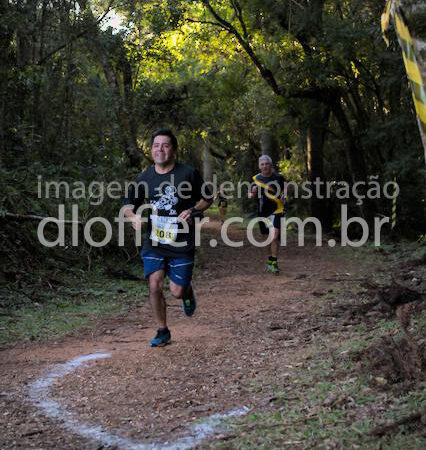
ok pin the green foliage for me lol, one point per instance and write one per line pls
(79, 102)
(74, 301)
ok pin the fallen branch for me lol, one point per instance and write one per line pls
(24, 217)
(32, 433)
(383, 429)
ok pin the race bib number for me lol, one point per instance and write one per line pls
(164, 229)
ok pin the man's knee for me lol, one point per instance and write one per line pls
(276, 235)
(176, 290)
(155, 284)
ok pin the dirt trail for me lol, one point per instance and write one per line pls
(220, 359)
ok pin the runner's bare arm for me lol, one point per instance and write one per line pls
(253, 193)
(201, 206)
(137, 222)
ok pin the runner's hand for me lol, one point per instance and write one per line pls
(185, 215)
(137, 223)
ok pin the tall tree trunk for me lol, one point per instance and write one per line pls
(125, 111)
(318, 117)
(24, 40)
(207, 163)
(128, 113)
(269, 145)
(6, 37)
(354, 156)
(38, 117)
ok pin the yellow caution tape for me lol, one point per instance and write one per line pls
(413, 71)
(280, 206)
(386, 20)
(392, 9)
(393, 223)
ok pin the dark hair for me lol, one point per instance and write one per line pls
(168, 133)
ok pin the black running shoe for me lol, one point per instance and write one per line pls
(189, 303)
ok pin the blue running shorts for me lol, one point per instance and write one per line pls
(179, 270)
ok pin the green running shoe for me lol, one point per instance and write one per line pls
(272, 267)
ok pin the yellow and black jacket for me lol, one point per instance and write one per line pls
(271, 190)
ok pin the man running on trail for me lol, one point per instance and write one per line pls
(268, 189)
(175, 193)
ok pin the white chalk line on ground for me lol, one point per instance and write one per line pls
(39, 395)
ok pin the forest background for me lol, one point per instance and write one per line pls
(83, 84)
(312, 83)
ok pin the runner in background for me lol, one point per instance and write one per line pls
(268, 190)
(222, 205)
(175, 193)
